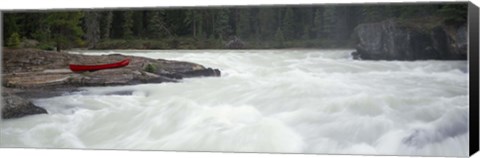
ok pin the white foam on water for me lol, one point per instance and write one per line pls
(286, 101)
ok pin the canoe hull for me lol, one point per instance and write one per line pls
(122, 63)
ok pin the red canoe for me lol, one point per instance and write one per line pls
(99, 67)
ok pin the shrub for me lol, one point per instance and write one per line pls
(14, 40)
(151, 68)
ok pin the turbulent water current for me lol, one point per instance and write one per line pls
(282, 101)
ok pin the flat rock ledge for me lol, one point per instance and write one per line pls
(30, 73)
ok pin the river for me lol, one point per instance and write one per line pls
(282, 101)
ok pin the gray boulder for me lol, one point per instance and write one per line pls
(392, 40)
(235, 43)
(14, 106)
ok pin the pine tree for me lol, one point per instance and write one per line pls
(43, 32)
(266, 23)
(306, 32)
(289, 24)
(14, 40)
(106, 24)
(373, 13)
(92, 26)
(127, 24)
(318, 23)
(156, 25)
(279, 38)
(243, 27)
(138, 24)
(223, 29)
(328, 25)
(10, 24)
(66, 29)
(191, 21)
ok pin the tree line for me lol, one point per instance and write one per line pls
(259, 26)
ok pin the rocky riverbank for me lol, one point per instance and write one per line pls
(30, 73)
(397, 40)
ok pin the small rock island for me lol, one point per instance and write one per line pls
(32, 73)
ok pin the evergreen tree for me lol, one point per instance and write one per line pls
(10, 24)
(138, 27)
(127, 24)
(288, 25)
(279, 38)
(266, 23)
(66, 29)
(14, 40)
(106, 24)
(328, 25)
(92, 26)
(373, 13)
(454, 13)
(156, 26)
(191, 20)
(43, 31)
(256, 24)
(318, 23)
(243, 25)
(223, 29)
(306, 32)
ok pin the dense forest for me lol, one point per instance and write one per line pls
(311, 26)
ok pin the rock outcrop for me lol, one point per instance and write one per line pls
(393, 40)
(235, 43)
(29, 71)
(14, 106)
(32, 69)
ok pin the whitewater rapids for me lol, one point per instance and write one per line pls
(282, 101)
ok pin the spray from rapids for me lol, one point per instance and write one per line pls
(286, 101)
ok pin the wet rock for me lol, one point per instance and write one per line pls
(203, 72)
(355, 55)
(392, 40)
(14, 106)
(33, 69)
(35, 73)
(235, 43)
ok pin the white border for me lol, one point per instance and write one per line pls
(8, 5)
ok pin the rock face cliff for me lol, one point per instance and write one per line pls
(392, 40)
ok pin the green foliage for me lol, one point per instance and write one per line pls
(318, 22)
(279, 38)
(329, 20)
(267, 23)
(128, 25)
(66, 29)
(156, 26)
(92, 26)
(106, 20)
(454, 13)
(203, 28)
(243, 26)
(138, 24)
(151, 68)
(13, 40)
(10, 25)
(289, 24)
(46, 46)
(373, 13)
(223, 29)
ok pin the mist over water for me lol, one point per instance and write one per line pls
(285, 101)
